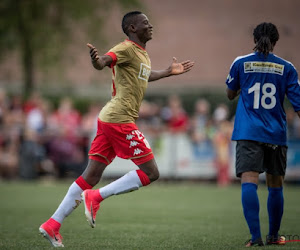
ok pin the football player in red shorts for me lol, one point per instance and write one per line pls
(117, 133)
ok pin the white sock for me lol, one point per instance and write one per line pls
(69, 203)
(129, 182)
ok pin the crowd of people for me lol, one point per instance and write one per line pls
(37, 139)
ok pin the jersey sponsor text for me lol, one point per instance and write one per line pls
(263, 67)
(145, 71)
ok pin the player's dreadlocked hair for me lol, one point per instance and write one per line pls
(129, 19)
(265, 36)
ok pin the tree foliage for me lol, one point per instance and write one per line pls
(39, 29)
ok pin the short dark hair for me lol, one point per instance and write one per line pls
(129, 19)
(265, 36)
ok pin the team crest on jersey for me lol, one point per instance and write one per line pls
(247, 66)
(145, 71)
(263, 67)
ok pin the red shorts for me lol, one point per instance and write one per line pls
(124, 140)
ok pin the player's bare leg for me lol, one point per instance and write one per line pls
(89, 178)
(150, 169)
(250, 177)
(275, 208)
(93, 172)
(131, 181)
(274, 181)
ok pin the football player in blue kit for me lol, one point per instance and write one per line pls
(262, 80)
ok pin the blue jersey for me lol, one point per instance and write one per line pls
(263, 82)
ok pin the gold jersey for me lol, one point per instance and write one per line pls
(131, 69)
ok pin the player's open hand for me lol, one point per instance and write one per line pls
(180, 68)
(93, 52)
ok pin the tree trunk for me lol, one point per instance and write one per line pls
(27, 60)
(27, 49)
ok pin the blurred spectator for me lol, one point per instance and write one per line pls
(149, 118)
(293, 124)
(66, 118)
(175, 116)
(150, 123)
(89, 127)
(4, 105)
(15, 117)
(37, 116)
(291, 128)
(65, 147)
(202, 114)
(11, 135)
(222, 144)
(221, 113)
(89, 120)
(34, 161)
(38, 141)
(32, 102)
(66, 154)
(200, 128)
(33, 158)
(9, 154)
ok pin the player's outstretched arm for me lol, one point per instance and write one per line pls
(99, 62)
(174, 69)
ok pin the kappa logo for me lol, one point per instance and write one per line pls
(129, 137)
(137, 151)
(145, 71)
(133, 144)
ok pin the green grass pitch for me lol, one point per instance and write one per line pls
(176, 215)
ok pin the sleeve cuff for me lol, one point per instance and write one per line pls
(114, 57)
(233, 89)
